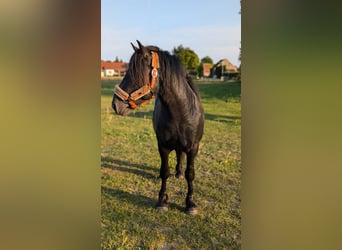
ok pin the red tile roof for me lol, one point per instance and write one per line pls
(117, 66)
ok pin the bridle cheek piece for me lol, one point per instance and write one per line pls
(143, 91)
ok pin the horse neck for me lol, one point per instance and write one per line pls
(174, 85)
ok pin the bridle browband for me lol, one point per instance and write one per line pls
(146, 89)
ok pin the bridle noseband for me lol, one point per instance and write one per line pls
(146, 89)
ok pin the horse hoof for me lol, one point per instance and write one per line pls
(162, 208)
(192, 211)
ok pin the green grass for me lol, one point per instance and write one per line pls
(130, 183)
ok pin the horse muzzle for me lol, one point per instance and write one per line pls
(120, 107)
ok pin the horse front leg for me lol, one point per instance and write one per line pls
(162, 204)
(180, 157)
(191, 207)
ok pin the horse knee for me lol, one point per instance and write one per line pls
(189, 174)
(164, 173)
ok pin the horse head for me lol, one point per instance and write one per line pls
(137, 86)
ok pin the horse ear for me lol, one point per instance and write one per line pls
(140, 45)
(135, 48)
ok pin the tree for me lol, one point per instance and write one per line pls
(207, 59)
(187, 57)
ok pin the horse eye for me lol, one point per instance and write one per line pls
(146, 56)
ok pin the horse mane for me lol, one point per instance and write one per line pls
(174, 76)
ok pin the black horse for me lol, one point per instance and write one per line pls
(178, 117)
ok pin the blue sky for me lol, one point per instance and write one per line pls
(210, 28)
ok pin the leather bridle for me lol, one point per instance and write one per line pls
(143, 91)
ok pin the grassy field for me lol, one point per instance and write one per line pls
(130, 184)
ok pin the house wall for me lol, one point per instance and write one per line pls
(109, 72)
(206, 69)
(111, 69)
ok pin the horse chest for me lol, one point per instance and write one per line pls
(174, 135)
(175, 128)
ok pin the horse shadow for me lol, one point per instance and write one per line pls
(134, 199)
(223, 118)
(146, 114)
(142, 170)
(129, 167)
(137, 199)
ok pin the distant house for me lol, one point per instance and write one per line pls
(110, 69)
(107, 72)
(224, 68)
(206, 69)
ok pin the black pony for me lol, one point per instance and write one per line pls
(178, 117)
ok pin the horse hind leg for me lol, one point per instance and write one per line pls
(162, 204)
(179, 170)
(191, 207)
